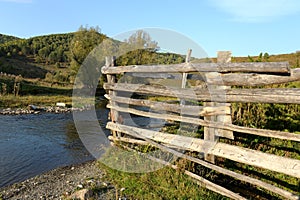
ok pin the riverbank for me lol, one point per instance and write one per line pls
(31, 109)
(63, 183)
(14, 102)
(11, 105)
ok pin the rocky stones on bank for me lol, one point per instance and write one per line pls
(63, 183)
(31, 109)
(82, 194)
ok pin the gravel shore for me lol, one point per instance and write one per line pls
(62, 183)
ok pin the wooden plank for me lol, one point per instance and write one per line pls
(231, 79)
(269, 95)
(227, 172)
(224, 57)
(162, 76)
(271, 162)
(210, 133)
(128, 140)
(237, 79)
(231, 127)
(198, 179)
(261, 67)
(111, 79)
(214, 187)
(176, 108)
(185, 75)
(136, 141)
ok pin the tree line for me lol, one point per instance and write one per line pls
(70, 50)
(48, 49)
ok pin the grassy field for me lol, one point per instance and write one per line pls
(165, 183)
(10, 101)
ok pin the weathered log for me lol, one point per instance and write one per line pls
(219, 125)
(238, 176)
(176, 108)
(270, 95)
(128, 140)
(198, 179)
(261, 67)
(212, 134)
(236, 79)
(271, 162)
(229, 79)
(111, 79)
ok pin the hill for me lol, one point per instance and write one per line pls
(57, 54)
(7, 38)
(36, 56)
(292, 58)
(46, 49)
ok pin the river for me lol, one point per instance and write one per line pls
(33, 144)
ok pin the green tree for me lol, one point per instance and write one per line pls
(53, 57)
(260, 57)
(142, 40)
(266, 56)
(140, 46)
(44, 53)
(84, 41)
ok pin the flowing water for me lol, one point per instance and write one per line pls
(33, 144)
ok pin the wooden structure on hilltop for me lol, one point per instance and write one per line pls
(214, 114)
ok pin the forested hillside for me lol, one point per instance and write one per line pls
(6, 38)
(48, 49)
(57, 57)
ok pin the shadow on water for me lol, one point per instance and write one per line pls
(33, 144)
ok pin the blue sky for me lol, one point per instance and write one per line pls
(246, 27)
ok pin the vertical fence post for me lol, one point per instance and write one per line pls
(224, 57)
(212, 134)
(209, 133)
(184, 75)
(111, 79)
(183, 85)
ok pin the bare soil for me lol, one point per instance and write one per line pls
(61, 183)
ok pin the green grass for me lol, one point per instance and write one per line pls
(10, 101)
(22, 66)
(165, 183)
(33, 91)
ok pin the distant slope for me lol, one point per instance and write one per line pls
(21, 67)
(7, 38)
(34, 57)
(293, 59)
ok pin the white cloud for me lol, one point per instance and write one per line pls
(17, 1)
(257, 10)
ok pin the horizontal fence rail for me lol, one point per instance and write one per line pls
(256, 158)
(180, 109)
(259, 67)
(231, 127)
(199, 94)
(271, 95)
(229, 79)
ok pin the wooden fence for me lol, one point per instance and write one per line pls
(209, 83)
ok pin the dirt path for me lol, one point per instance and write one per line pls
(61, 183)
